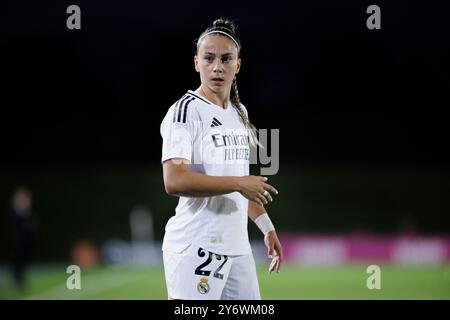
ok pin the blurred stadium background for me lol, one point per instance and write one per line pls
(111, 222)
(364, 175)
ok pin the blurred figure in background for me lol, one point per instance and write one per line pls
(23, 228)
(85, 254)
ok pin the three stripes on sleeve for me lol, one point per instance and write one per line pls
(179, 114)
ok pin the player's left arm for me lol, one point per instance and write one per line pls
(259, 215)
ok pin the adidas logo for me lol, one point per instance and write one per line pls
(215, 123)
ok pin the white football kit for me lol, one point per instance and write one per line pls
(206, 250)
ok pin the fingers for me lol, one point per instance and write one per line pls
(275, 265)
(272, 265)
(274, 251)
(258, 201)
(270, 251)
(277, 254)
(262, 199)
(268, 187)
(279, 250)
(264, 196)
(267, 190)
(260, 193)
(267, 195)
(276, 262)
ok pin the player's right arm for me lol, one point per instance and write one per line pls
(179, 181)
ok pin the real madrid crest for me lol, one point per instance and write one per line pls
(203, 286)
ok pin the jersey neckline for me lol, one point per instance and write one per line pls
(229, 107)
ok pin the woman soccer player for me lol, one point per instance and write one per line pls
(205, 156)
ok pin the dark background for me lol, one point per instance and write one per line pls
(362, 113)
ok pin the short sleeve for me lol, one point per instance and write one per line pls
(179, 129)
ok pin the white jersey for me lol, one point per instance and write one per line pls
(216, 143)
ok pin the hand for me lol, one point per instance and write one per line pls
(274, 250)
(255, 189)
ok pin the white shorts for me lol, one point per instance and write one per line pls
(197, 274)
